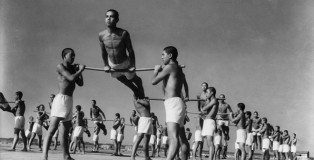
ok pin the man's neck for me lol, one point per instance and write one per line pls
(111, 29)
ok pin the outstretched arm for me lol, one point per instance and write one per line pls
(129, 47)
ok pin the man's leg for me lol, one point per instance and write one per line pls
(16, 138)
(173, 133)
(65, 128)
(138, 140)
(24, 140)
(31, 140)
(54, 121)
(184, 144)
(138, 82)
(249, 149)
(211, 147)
(259, 137)
(146, 146)
(243, 153)
(40, 137)
(129, 84)
(197, 143)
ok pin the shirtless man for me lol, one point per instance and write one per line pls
(153, 137)
(286, 142)
(249, 137)
(62, 106)
(198, 137)
(276, 142)
(209, 127)
(120, 136)
(78, 131)
(98, 116)
(115, 43)
(144, 127)
(202, 95)
(265, 132)
(18, 111)
(114, 133)
(223, 121)
(240, 121)
(294, 146)
(134, 122)
(256, 135)
(173, 80)
(159, 139)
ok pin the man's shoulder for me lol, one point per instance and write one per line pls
(103, 32)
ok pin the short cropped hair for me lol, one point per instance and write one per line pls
(265, 119)
(248, 113)
(205, 83)
(78, 107)
(172, 50)
(118, 115)
(213, 90)
(116, 13)
(65, 51)
(94, 100)
(241, 106)
(19, 93)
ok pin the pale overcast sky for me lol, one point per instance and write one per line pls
(259, 52)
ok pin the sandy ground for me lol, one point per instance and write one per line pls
(35, 154)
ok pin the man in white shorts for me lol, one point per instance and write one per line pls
(240, 120)
(218, 143)
(294, 146)
(61, 110)
(142, 106)
(198, 138)
(114, 133)
(265, 132)
(210, 110)
(134, 122)
(249, 137)
(285, 145)
(276, 144)
(173, 82)
(257, 139)
(120, 135)
(159, 139)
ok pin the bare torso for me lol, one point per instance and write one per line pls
(223, 108)
(172, 84)
(114, 44)
(142, 107)
(65, 86)
(20, 108)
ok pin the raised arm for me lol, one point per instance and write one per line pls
(129, 47)
(160, 73)
(70, 77)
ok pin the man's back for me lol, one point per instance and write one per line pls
(174, 81)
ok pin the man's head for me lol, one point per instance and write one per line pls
(52, 96)
(169, 53)
(122, 120)
(133, 112)
(222, 98)
(285, 132)
(294, 135)
(211, 91)
(18, 95)
(248, 114)
(68, 55)
(204, 86)
(187, 129)
(241, 106)
(112, 18)
(277, 128)
(256, 114)
(264, 120)
(93, 102)
(117, 115)
(78, 108)
(152, 114)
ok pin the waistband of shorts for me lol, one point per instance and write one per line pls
(63, 95)
(19, 116)
(173, 98)
(145, 118)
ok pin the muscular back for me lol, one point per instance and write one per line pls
(142, 107)
(114, 44)
(172, 84)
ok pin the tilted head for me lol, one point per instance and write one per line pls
(169, 53)
(18, 95)
(241, 106)
(68, 55)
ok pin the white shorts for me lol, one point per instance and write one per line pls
(175, 110)
(113, 134)
(134, 138)
(158, 143)
(164, 140)
(209, 127)
(265, 143)
(98, 119)
(254, 131)
(241, 136)
(236, 145)
(28, 134)
(293, 149)
(19, 122)
(38, 129)
(120, 137)
(275, 145)
(249, 139)
(280, 149)
(152, 139)
(198, 136)
(145, 125)
(217, 140)
(223, 122)
(78, 131)
(62, 107)
(56, 134)
(123, 65)
(285, 148)
(95, 137)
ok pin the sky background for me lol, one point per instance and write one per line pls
(259, 52)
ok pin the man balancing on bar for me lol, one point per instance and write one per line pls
(114, 43)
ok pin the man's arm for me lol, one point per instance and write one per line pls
(229, 108)
(102, 113)
(263, 129)
(157, 122)
(198, 103)
(187, 118)
(91, 113)
(236, 119)
(70, 77)
(186, 87)
(129, 47)
(208, 105)
(160, 73)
